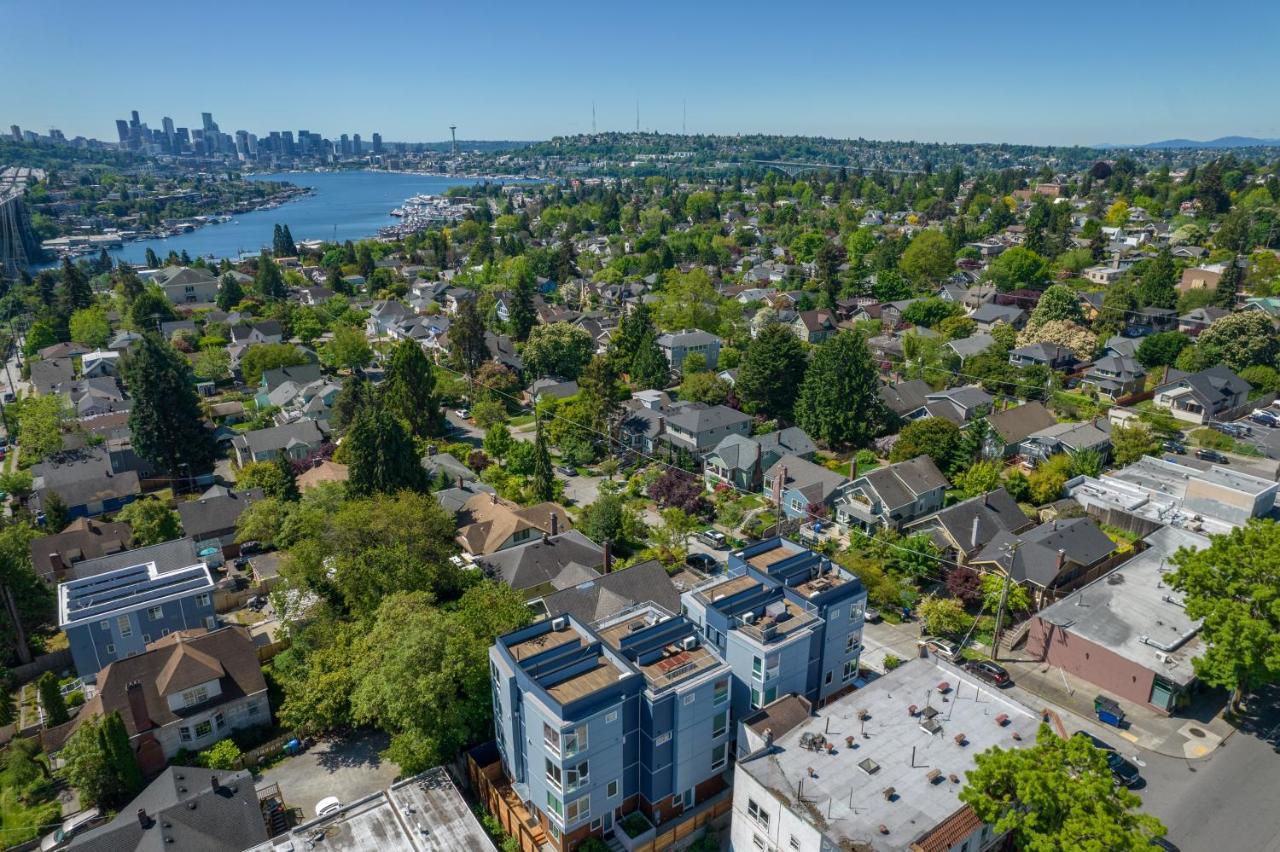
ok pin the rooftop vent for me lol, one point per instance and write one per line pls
(934, 776)
(868, 766)
(932, 726)
(890, 794)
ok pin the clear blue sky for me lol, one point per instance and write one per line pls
(935, 70)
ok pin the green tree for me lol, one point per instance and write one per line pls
(543, 476)
(1130, 443)
(349, 348)
(150, 309)
(166, 420)
(120, 758)
(634, 328)
(56, 512)
(1157, 285)
(1047, 480)
(1233, 586)
(979, 478)
(381, 455)
(497, 441)
(230, 293)
(356, 394)
(523, 288)
(51, 700)
(212, 363)
(943, 616)
(605, 519)
(76, 292)
(268, 280)
(40, 422)
(271, 476)
(467, 347)
(839, 402)
(1058, 302)
(1229, 285)
(929, 258)
(705, 387)
(25, 599)
(1055, 796)
(1241, 340)
(99, 763)
(90, 326)
(935, 437)
(1162, 349)
(409, 389)
(1015, 600)
(772, 372)
(8, 705)
(260, 357)
(671, 537)
(649, 368)
(151, 520)
(224, 754)
(1018, 267)
(558, 349)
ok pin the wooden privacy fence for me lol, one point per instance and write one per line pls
(678, 832)
(55, 661)
(491, 788)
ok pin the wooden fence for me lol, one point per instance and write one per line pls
(681, 832)
(55, 661)
(491, 787)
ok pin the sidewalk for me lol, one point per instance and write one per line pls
(1194, 733)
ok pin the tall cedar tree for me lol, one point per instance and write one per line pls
(269, 282)
(381, 455)
(772, 372)
(409, 389)
(229, 292)
(631, 332)
(523, 314)
(166, 420)
(76, 292)
(598, 392)
(649, 368)
(355, 396)
(51, 700)
(467, 347)
(543, 476)
(1228, 285)
(277, 241)
(838, 402)
(121, 762)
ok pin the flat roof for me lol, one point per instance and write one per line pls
(542, 642)
(784, 550)
(112, 593)
(728, 586)
(843, 796)
(1132, 607)
(605, 674)
(425, 813)
(677, 663)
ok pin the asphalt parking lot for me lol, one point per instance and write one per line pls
(348, 768)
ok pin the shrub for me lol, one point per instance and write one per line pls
(891, 662)
(223, 754)
(635, 824)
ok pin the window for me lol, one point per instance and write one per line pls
(795, 842)
(611, 716)
(219, 720)
(757, 813)
(104, 624)
(662, 738)
(124, 625)
(850, 671)
(553, 774)
(835, 613)
(612, 790)
(720, 723)
(851, 642)
(722, 692)
(827, 680)
(771, 666)
(184, 733)
(111, 649)
(554, 805)
(196, 695)
(719, 756)
(202, 599)
(551, 737)
(253, 709)
(146, 638)
(577, 810)
(757, 841)
(203, 729)
(771, 695)
(155, 613)
(575, 741)
(689, 699)
(757, 668)
(576, 777)
(755, 697)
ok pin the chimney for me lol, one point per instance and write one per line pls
(853, 467)
(555, 524)
(459, 481)
(1062, 558)
(973, 539)
(138, 706)
(57, 564)
(143, 819)
(777, 485)
(608, 555)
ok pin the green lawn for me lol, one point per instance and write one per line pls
(22, 822)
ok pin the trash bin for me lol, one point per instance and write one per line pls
(1108, 711)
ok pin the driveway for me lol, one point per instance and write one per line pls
(348, 768)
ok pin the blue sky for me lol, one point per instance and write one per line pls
(932, 70)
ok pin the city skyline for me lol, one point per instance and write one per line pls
(1010, 74)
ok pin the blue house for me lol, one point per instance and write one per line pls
(794, 484)
(115, 614)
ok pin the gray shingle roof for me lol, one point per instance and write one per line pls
(564, 560)
(610, 593)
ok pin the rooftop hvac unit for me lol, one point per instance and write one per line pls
(748, 618)
(689, 643)
(560, 623)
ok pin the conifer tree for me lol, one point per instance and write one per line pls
(381, 455)
(467, 347)
(839, 403)
(543, 476)
(269, 282)
(229, 292)
(166, 420)
(409, 389)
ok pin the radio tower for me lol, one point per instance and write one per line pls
(453, 132)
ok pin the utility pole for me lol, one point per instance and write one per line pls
(1004, 597)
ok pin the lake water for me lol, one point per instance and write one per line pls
(341, 206)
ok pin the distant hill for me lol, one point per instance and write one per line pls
(1220, 142)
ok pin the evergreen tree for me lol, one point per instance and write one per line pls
(288, 489)
(51, 700)
(118, 756)
(771, 372)
(839, 403)
(291, 248)
(543, 476)
(381, 455)
(598, 392)
(649, 368)
(8, 706)
(467, 347)
(269, 282)
(1157, 287)
(131, 286)
(56, 512)
(277, 241)
(230, 293)
(153, 259)
(409, 389)
(76, 292)
(631, 331)
(1228, 285)
(523, 314)
(355, 396)
(166, 420)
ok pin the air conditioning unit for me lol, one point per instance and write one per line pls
(560, 623)
(749, 618)
(689, 643)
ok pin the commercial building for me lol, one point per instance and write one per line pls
(879, 769)
(1127, 632)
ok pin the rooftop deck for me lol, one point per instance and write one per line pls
(604, 675)
(730, 586)
(543, 642)
(677, 664)
(786, 618)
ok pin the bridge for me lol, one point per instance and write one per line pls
(18, 245)
(792, 168)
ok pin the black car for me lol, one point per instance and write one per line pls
(1122, 770)
(700, 562)
(1161, 843)
(1175, 447)
(1214, 456)
(992, 673)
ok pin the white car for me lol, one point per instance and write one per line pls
(463, 413)
(70, 828)
(328, 805)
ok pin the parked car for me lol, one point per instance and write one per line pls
(566, 470)
(1206, 454)
(944, 648)
(1122, 770)
(871, 615)
(249, 548)
(70, 828)
(1174, 447)
(992, 673)
(463, 413)
(1263, 417)
(701, 562)
(713, 538)
(1235, 430)
(328, 805)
